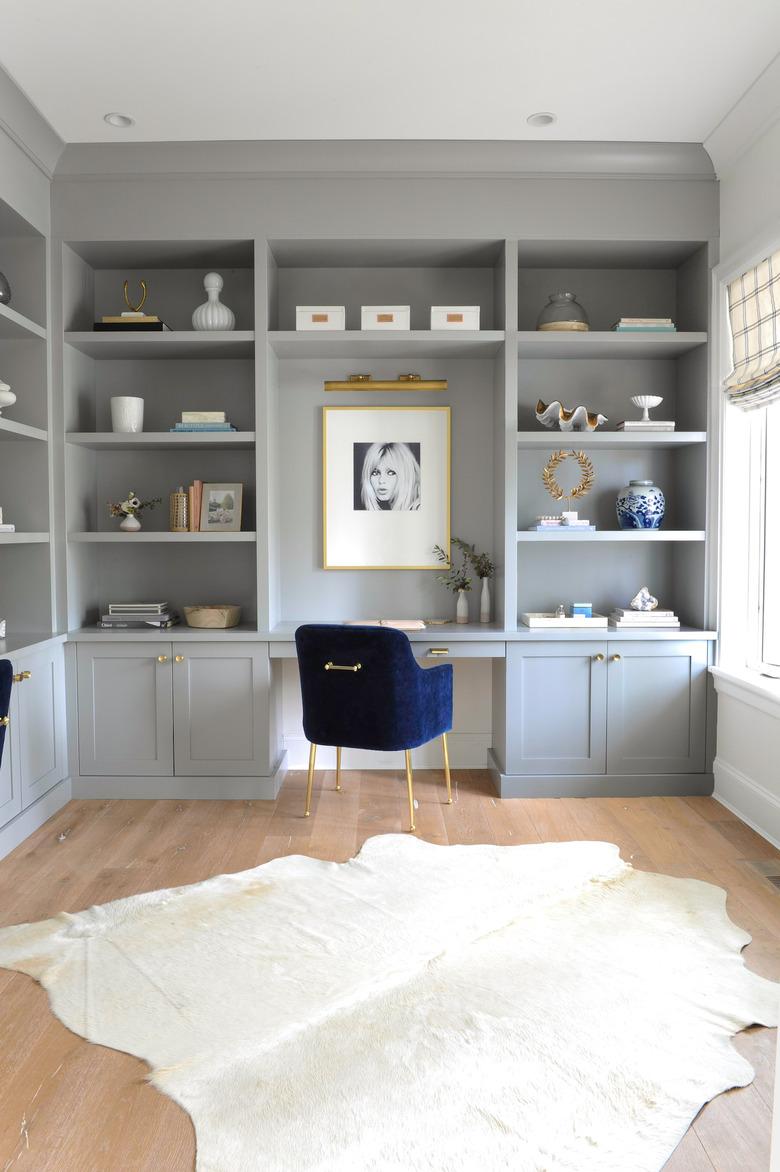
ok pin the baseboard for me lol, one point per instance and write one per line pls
(31, 819)
(749, 800)
(625, 785)
(466, 751)
(257, 789)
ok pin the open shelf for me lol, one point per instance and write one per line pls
(24, 538)
(15, 325)
(627, 535)
(10, 430)
(606, 344)
(386, 343)
(607, 440)
(168, 344)
(150, 535)
(153, 441)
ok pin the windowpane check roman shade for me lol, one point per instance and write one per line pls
(754, 312)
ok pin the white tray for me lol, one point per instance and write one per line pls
(540, 619)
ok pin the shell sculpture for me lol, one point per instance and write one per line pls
(556, 415)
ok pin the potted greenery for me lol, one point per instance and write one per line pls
(484, 569)
(457, 580)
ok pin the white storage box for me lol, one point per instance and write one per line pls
(385, 317)
(454, 317)
(320, 317)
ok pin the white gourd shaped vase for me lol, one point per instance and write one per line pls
(213, 315)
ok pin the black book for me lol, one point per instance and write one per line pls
(130, 327)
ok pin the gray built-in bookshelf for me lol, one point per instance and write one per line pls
(25, 429)
(269, 379)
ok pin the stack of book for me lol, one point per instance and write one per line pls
(203, 421)
(640, 620)
(130, 322)
(645, 325)
(646, 425)
(138, 616)
(543, 524)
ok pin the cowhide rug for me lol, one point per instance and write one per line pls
(534, 1008)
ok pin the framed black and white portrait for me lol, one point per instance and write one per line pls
(386, 487)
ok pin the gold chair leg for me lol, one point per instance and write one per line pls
(410, 788)
(338, 770)
(447, 768)
(312, 759)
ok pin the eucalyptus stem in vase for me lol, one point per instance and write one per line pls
(484, 569)
(457, 580)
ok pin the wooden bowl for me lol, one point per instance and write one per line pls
(215, 617)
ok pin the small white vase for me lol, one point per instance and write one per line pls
(484, 601)
(462, 608)
(130, 524)
(213, 315)
(127, 414)
(7, 397)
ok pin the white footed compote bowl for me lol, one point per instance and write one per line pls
(647, 402)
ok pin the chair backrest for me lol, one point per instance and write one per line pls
(373, 706)
(6, 683)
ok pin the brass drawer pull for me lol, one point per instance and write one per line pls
(438, 651)
(178, 658)
(615, 658)
(5, 721)
(599, 657)
(339, 667)
(162, 658)
(22, 675)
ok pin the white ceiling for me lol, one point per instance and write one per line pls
(667, 70)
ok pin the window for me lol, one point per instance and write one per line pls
(750, 485)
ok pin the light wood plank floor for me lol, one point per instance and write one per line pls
(68, 1106)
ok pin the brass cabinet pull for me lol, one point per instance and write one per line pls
(162, 658)
(5, 721)
(438, 651)
(22, 675)
(615, 658)
(340, 667)
(179, 658)
(599, 657)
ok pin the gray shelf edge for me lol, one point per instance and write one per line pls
(156, 537)
(530, 440)
(628, 536)
(96, 440)
(25, 324)
(10, 429)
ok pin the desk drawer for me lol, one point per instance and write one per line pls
(442, 651)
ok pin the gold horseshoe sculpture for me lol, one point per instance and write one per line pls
(136, 308)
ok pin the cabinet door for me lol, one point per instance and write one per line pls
(10, 782)
(221, 697)
(125, 709)
(656, 707)
(41, 759)
(557, 716)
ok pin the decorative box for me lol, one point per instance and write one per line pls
(385, 317)
(582, 608)
(454, 317)
(568, 622)
(320, 317)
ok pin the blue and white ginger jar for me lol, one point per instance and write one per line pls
(640, 505)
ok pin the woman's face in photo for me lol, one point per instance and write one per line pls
(384, 479)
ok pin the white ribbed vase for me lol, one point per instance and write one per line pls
(213, 315)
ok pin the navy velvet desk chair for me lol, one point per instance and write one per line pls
(6, 681)
(362, 688)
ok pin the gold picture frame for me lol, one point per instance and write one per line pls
(386, 493)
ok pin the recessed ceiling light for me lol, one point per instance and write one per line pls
(121, 120)
(543, 118)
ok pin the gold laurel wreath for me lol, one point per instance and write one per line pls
(551, 467)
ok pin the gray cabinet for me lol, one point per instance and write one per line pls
(188, 709)
(221, 699)
(605, 707)
(35, 755)
(125, 709)
(656, 707)
(556, 723)
(10, 783)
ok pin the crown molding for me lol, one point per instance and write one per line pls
(385, 159)
(24, 124)
(751, 117)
